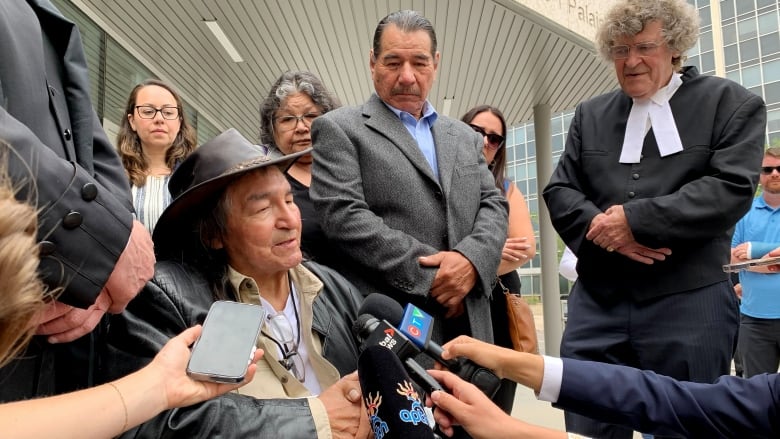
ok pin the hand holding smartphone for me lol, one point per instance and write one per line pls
(744, 265)
(222, 353)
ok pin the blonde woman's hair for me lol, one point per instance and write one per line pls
(679, 23)
(21, 290)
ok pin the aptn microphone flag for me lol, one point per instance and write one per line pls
(395, 409)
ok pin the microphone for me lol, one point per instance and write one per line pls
(374, 332)
(394, 408)
(371, 331)
(417, 325)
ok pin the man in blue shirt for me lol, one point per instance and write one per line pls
(757, 233)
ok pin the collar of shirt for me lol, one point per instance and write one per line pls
(421, 132)
(320, 374)
(656, 113)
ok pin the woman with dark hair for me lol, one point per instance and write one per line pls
(520, 245)
(286, 114)
(153, 138)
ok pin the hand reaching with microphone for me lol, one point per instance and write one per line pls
(520, 367)
(343, 402)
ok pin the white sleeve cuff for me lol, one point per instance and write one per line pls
(551, 381)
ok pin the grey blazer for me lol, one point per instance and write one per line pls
(382, 207)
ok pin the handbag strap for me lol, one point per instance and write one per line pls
(503, 287)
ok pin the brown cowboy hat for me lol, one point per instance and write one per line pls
(202, 177)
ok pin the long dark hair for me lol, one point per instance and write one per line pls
(497, 167)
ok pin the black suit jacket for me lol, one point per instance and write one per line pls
(688, 201)
(61, 160)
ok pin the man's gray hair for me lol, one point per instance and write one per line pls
(679, 23)
(407, 21)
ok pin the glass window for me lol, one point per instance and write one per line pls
(731, 55)
(556, 125)
(557, 142)
(708, 62)
(772, 93)
(91, 36)
(751, 76)
(693, 61)
(520, 172)
(532, 188)
(533, 202)
(771, 71)
(747, 28)
(773, 120)
(744, 6)
(748, 50)
(705, 41)
(531, 149)
(767, 23)
(729, 34)
(123, 72)
(774, 139)
(522, 185)
(734, 76)
(756, 90)
(520, 135)
(770, 44)
(704, 16)
(529, 132)
(762, 3)
(206, 130)
(510, 153)
(726, 9)
(567, 120)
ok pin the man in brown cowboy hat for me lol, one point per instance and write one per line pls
(233, 232)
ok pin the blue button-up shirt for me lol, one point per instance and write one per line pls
(421, 132)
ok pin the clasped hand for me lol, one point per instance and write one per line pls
(454, 279)
(610, 230)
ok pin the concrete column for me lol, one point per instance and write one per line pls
(717, 39)
(551, 294)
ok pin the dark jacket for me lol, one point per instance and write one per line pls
(63, 161)
(178, 298)
(688, 201)
(729, 408)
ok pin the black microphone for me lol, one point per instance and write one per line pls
(394, 408)
(417, 325)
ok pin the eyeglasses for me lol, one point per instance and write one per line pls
(288, 344)
(149, 112)
(645, 48)
(287, 123)
(767, 170)
(495, 141)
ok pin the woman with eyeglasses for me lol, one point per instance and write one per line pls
(153, 138)
(520, 245)
(286, 114)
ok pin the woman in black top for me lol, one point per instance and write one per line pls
(286, 114)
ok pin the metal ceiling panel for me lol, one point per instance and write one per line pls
(493, 51)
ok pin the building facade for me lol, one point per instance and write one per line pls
(748, 53)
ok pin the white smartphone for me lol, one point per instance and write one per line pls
(744, 265)
(224, 349)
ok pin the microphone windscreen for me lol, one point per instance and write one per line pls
(383, 308)
(394, 407)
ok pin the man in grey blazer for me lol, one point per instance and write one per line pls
(94, 256)
(404, 193)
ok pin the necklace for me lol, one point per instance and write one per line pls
(291, 359)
